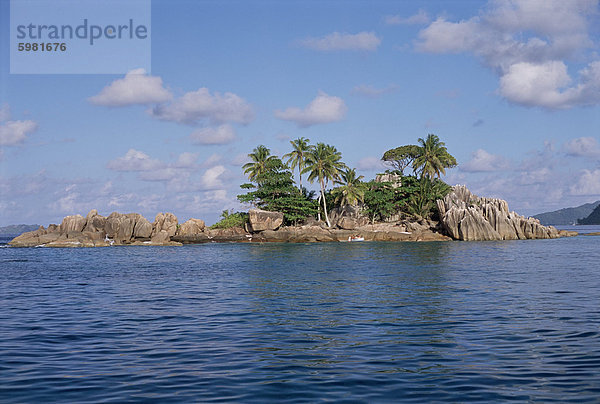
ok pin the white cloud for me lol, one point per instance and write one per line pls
(583, 147)
(186, 160)
(134, 160)
(15, 132)
(106, 188)
(160, 174)
(370, 163)
(135, 88)
(527, 43)
(323, 109)
(211, 179)
(201, 104)
(588, 183)
(363, 41)
(541, 175)
(240, 159)
(547, 85)
(482, 161)
(420, 18)
(4, 112)
(120, 200)
(373, 92)
(212, 160)
(222, 134)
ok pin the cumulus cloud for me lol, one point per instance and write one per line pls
(588, 183)
(323, 109)
(583, 147)
(222, 134)
(15, 132)
(420, 18)
(134, 160)
(211, 179)
(198, 105)
(136, 88)
(160, 174)
(363, 41)
(212, 160)
(527, 43)
(176, 175)
(373, 92)
(370, 163)
(240, 159)
(482, 161)
(186, 160)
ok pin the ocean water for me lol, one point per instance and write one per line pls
(344, 322)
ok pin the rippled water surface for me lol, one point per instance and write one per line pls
(373, 322)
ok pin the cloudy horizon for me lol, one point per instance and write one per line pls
(511, 87)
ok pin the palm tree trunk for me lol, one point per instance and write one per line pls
(319, 211)
(325, 204)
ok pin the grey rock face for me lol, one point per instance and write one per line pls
(261, 220)
(98, 231)
(143, 228)
(191, 228)
(465, 216)
(72, 223)
(348, 217)
(165, 222)
(394, 179)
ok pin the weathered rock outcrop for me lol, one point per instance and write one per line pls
(98, 231)
(465, 216)
(191, 227)
(260, 220)
(348, 217)
(394, 179)
(312, 233)
(72, 223)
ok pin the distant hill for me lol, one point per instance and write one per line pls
(14, 229)
(593, 218)
(567, 216)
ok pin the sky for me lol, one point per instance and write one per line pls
(512, 88)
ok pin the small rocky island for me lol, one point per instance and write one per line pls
(463, 216)
(392, 207)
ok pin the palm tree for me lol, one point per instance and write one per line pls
(260, 156)
(352, 189)
(297, 157)
(323, 163)
(433, 157)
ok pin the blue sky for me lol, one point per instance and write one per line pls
(511, 87)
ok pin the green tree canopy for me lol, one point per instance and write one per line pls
(297, 157)
(323, 163)
(433, 158)
(261, 158)
(351, 191)
(401, 157)
(275, 191)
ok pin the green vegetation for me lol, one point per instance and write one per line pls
(351, 190)
(272, 185)
(230, 219)
(401, 157)
(324, 164)
(273, 189)
(297, 157)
